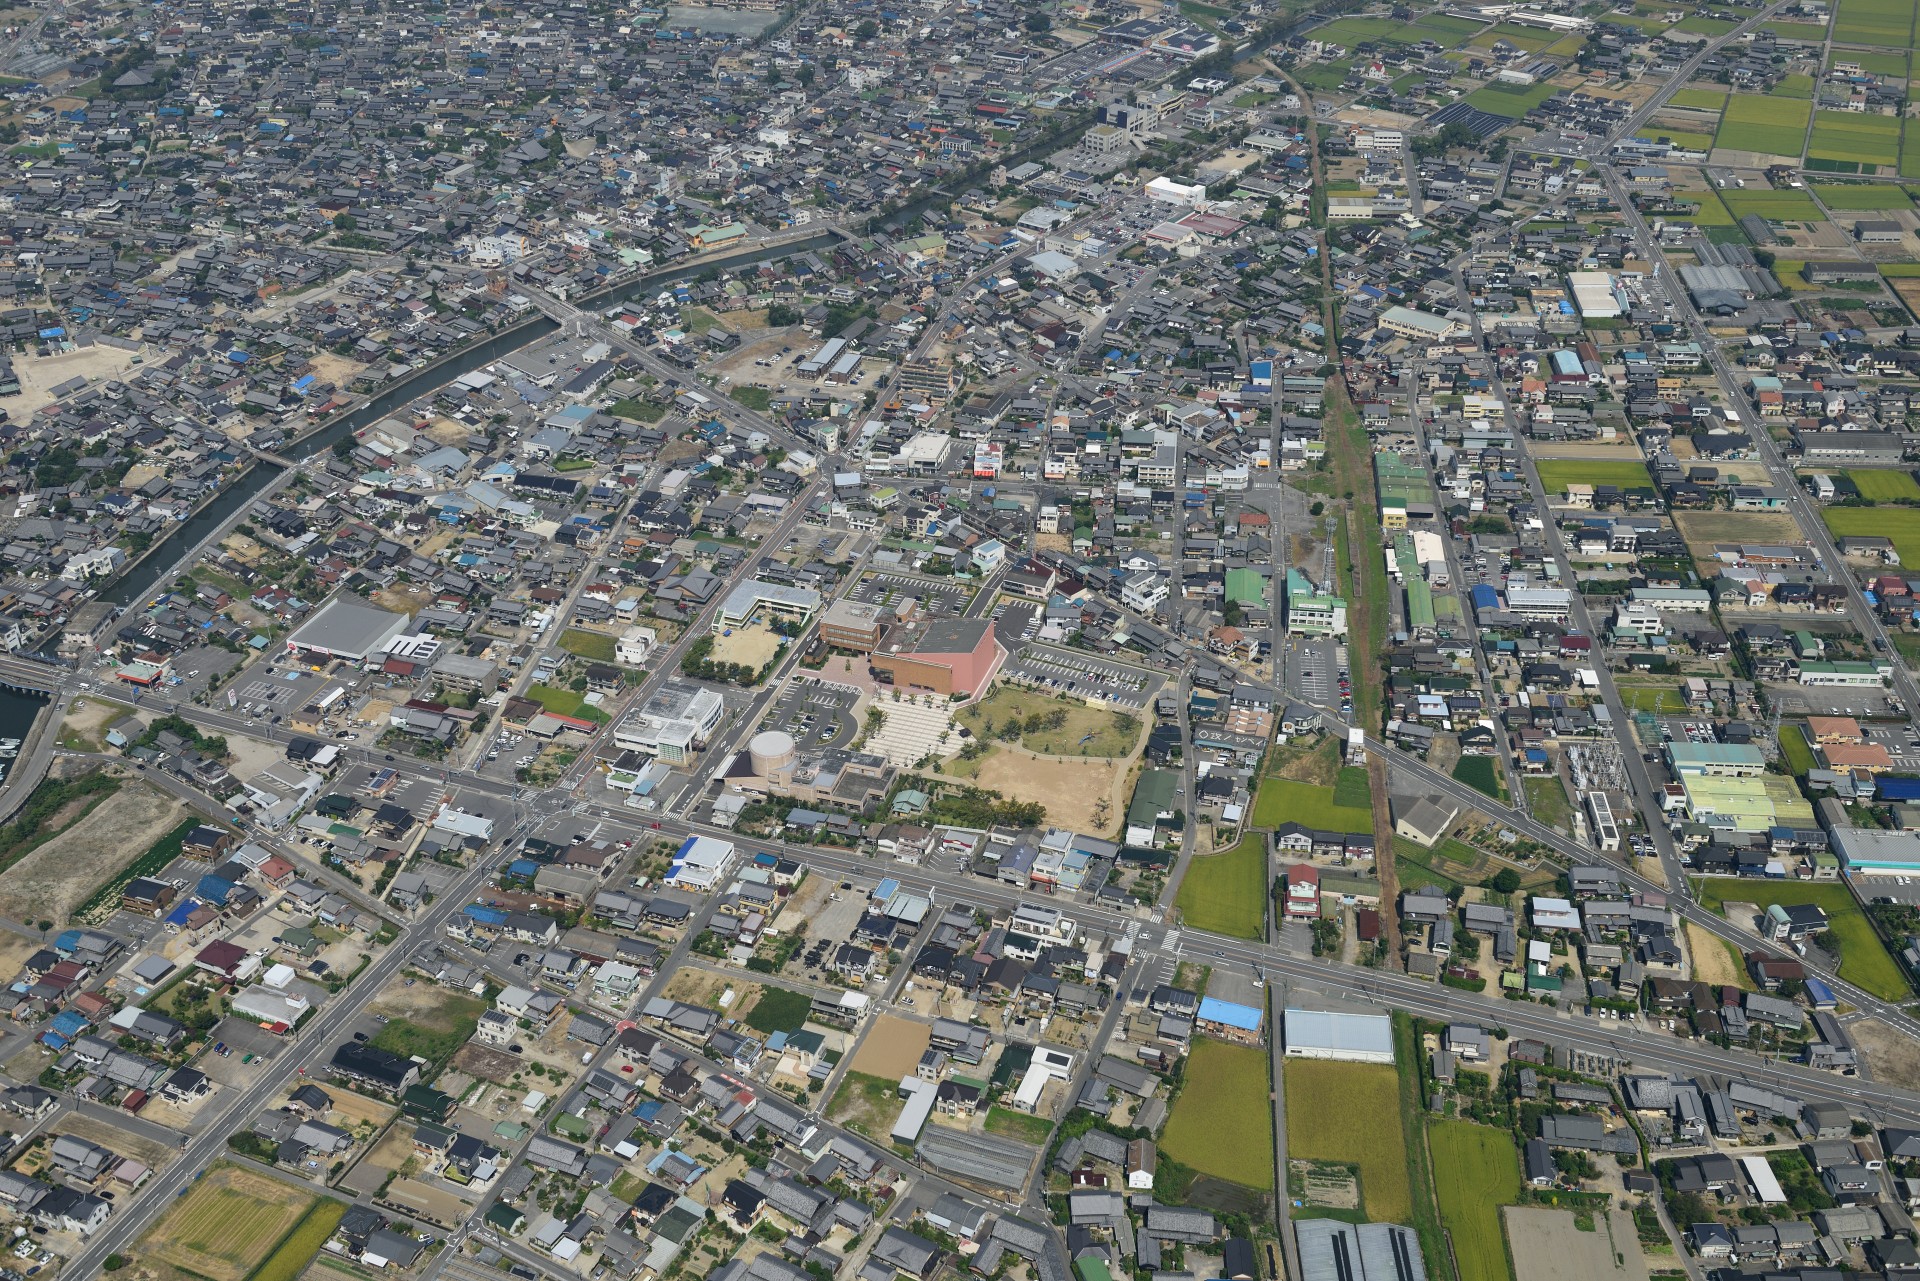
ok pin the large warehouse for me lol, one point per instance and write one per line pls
(1877, 853)
(947, 656)
(346, 628)
(1327, 1034)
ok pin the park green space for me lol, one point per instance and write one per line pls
(1557, 473)
(1774, 206)
(1756, 122)
(1901, 524)
(1283, 800)
(1350, 1113)
(1851, 136)
(1475, 1172)
(1221, 1123)
(1884, 485)
(1862, 195)
(1864, 961)
(1226, 893)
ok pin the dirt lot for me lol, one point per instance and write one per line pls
(1712, 963)
(488, 1065)
(40, 375)
(705, 988)
(1893, 1057)
(147, 1152)
(435, 1205)
(1546, 1243)
(338, 370)
(892, 1048)
(1070, 789)
(59, 876)
(1703, 529)
(83, 728)
(752, 647)
(352, 1110)
(403, 598)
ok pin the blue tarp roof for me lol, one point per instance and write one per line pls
(1244, 1018)
(484, 915)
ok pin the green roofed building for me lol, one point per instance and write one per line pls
(1246, 587)
(1153, 804)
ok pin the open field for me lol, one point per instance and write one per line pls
(1070, 789)
(565, 702)
(1282, 800)
(1881, 485)
(1901, 524)
(433, 1027)
(83, 727)
(1549, 1243)
(1222, 1122)
(1864, 961)
(597, 647)
(1557, 474)
(1715, 960)
(867, 1104)
(1052, 726)
(1350, 1113)
(39, 375)
(1547, 801)
(1893, 1056)
(1861, 195)
(1853, 136)
(779, 1009)
(1475, 1172)
(1651, 697)
(1703, 529)
(1755, 122)
(56, 878)
(891, 1048)
(1775, 206)
(227, 1224)
(1227, 892)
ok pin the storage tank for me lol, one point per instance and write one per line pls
(770, 750)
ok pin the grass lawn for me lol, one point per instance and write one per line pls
(1862, 195)
(433, 1039)
(1756, 122)
(1282, 800)
(1901, 524)
(564, 702)
(1023, 1126)
(1794, 749)
(1656, 700)
(1864, 961)
(1222, 1122)
(1557, 473)
(778, 1010)
(1082, 730)
(291, 1257)
(1350, 1112)
(1849, 135)
(1475, 1172)
(1352, 788)
(754, 398)
(1880, 486)
(1775, 206)
(1478, 772)
(1547, 801)
(596, 646)
(1227, 892)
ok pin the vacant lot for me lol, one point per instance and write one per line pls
(59, 876)
(1475, 1172)
(1715, 960)
(1901, 524)
(779, 1010)
(1227, 893)
(432, 1026)
(1282, 800)
(1549, 1243)
(1755, 122)
(892, 1048)
(1072, 790)
(1557, 473)
(867, 1104)
(84, 726)
(1222, 1122)
(226, 1225)
(1350, 1113)
(565, 702)
(1051, 726)
(596, 646)
(1704, 529)
(1863, 959)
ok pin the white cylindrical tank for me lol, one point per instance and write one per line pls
(770, 750)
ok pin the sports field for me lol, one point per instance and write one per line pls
(1901, 524)
(1774, 206)
(1862, 195)
(1864, 961)
(1282, 800)
(1884, 24)
(1350, 1112)
(1227, 892)
(1852, 136)
(1756, 122)
(1475, 1172)
(1885, 486)
(1557, 473)
(227, 1224)
(1222, 1123)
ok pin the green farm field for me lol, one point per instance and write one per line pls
(1282, 800)
(1775, 206)
(1475, 1172)
(1881, 64)
(1227, 892)
(1222, 1122)
(1511, 101)
(1884, 24)
(1756, 122)
(1849, 135)
(1700, 99)
(1794, 750)
(1901, 524)
(1792, 87)
(1557, 473)
(228, 1223)
(1865, 196)
(1885, 486)
(1350, 1112)
(1712, 212)
(1864, 960)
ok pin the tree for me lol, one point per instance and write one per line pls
(44, 926)
(866, 30)
(1038, 23)
(344, 221)
(1506, 880)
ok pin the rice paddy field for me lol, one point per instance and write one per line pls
(1222, 1122)
(1226, 892)
(1863, 196)
(1851, 136)
(1886, 24)
(1700, 99)
(1475, 1172)
(1774, 206)
(1756, 122)
(1712, 211)
(1350, 1113)
(1901, 524)
(1810, 32)
(1795, 86)
(1557, 473)
(1885, 486)
(1880, 64)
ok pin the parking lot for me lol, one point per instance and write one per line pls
(1015, 621)
(1083, 676)
(818, 715)
(939, 600)
(1902, 743)
(1318, 665)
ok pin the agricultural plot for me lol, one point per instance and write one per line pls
(1910, 154)
(226, 1225)
(1880, 64)
(1220, 1123)
(1855, 138)
(1772, 126)
(1700, 99)
(1350, 1113)
(1809, 32)
(1700, 26)
(1349, 32)
(1864, 196)
(1884, 486)
(1474, 1173)
(1712, 211)
(1774, 206)
(1511, 101)
(1795, 86)
(1282, 800)
(1901, 524)
(1227, 892)
(1689, 141)
(1886, 24)
(1557, 473)
(1864, 960)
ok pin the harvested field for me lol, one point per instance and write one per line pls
(891, 1048)
(226, 1225)
(58, 877)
